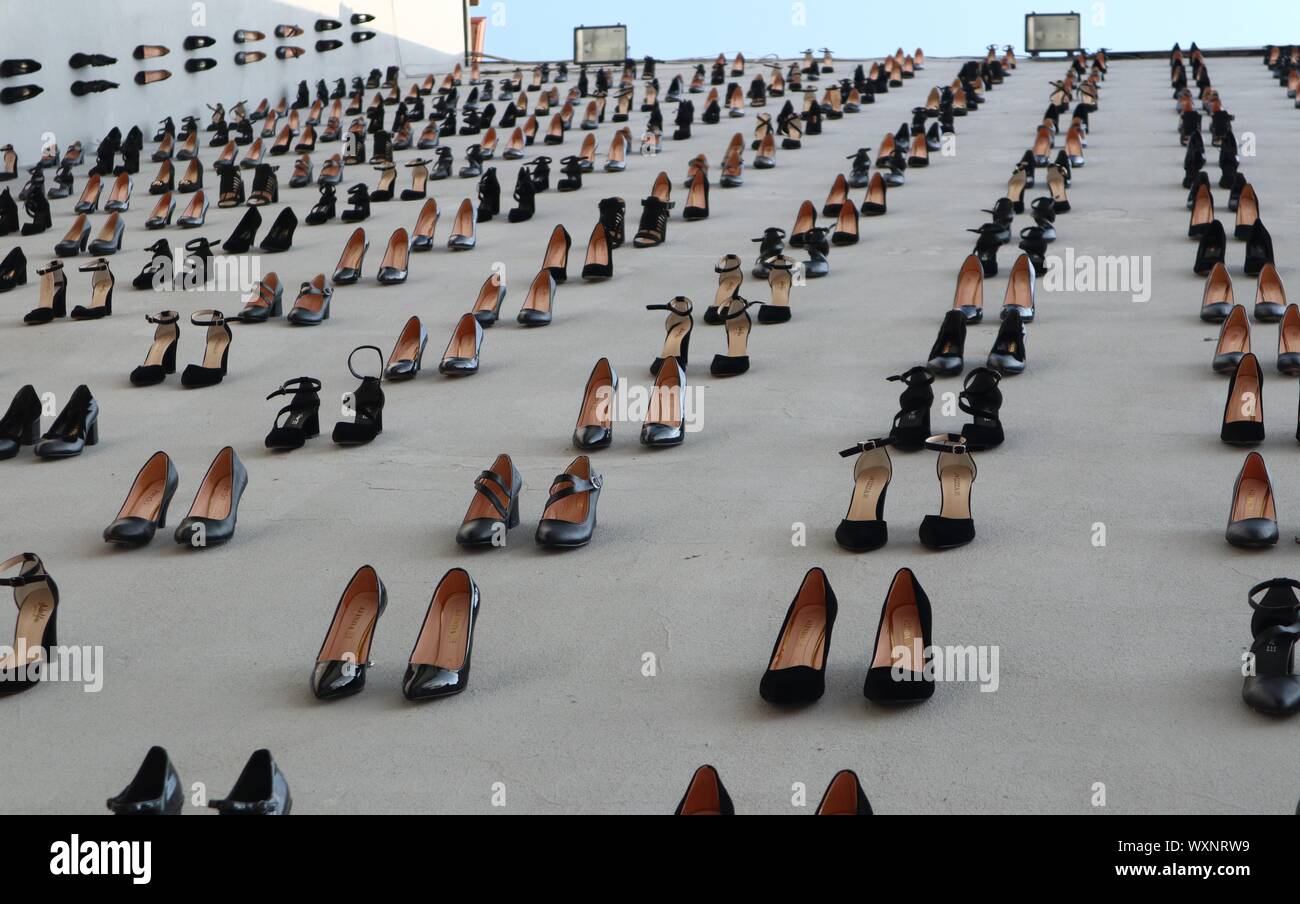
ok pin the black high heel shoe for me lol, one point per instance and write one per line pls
(898, 673)
(244, 234)
(912, 424)
(986, 247)
(216, 353)
(36, 629)
(982, 400)
(13, 270)
(489, 195)
(76, 427)
(144, 512)
(494, 509)
(705, 796)
(1272, 687)
(260, 790)
(953, 526)
(212, 517)
(1212, 249)
(569, 519)
(344, 656)
(947, 356)
(1252, 521)
(156, 789)
(1008, 354)
(303, 415)
(280, 238)
(796, 671)
(325, 209)
(161, 359)
(54, 295)
(359, 198)
(680, 325)
(1243, 412)
(440, 660)
(844, 797)
(1259, 249)
(157, 274)
(367, 405)
(21, 424)
(595, 426)
(864, 528)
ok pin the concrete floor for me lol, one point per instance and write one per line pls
(1119, 664)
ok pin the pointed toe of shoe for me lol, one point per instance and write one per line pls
(8, 449)
(422, 243)
(429, 682)
(725, 366)
(458, 367)
(1253, 533)
(1227, 363)
(562, 534)
(591, 438)
(1289, 363)
(480, 532)
(401, 370)
(946, 533)
(40, 315)
(862, 536)
(130, 532)
(461, 242)
(792, 687)
(531, 317)
(1007, 365)
(347, 433)
(390, 276)
(1276, 695)
(661, 436)
(334, 678)
(58, 448)
(884, 687)
(1269, 312)
(199, 533)
(946, 365)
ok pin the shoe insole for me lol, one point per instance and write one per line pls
(779, 281)
(956, 480)
(489, 143)
(901, 632)
(597, 249)
(806, 219)
(588, 151)
(738, 335)
(557, 251)
(1235, 339)
(462, 343)
(1247, 211)
(1042, 145)
(696, 196)
(617, 149)
(1290, 333)
(99, 293)
(218, 339)
(78, 227)
(571, 508)
(487, 297)
(841, 798)
(662, 188)
(349, 637)
(213, 500)
(1254, 500)
(35, 611)
(408, 345)
(970, 292)
(145, 500)
(443, 638)
(195, 208)
(847, 224)
(539, 296)
(1245, 406)
(464, 225)
(398, 253)
(1020, 291)
(866, 494)
(386, 180)
(802, 643)
(673, 341)
(597, 404)
(354, 253)
(729, 284)
(876, 192)
(157, 350)
(665, 405)
(420, 180)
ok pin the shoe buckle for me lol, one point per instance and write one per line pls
(597, 481)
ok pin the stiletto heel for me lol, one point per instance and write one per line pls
(161, 359)
(76, 427)
(216, 355)
(953, 526)
(1252, 521)
(36, 597)
(144, 512)
(864, 528)
(900, 670)
(367, 405)
(912, 424)
(303, 415)
(344, 656)
(494, 509)
(796, 671)
(1243, 413)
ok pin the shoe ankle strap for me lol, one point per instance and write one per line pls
(869, 445)
(100, 264)
(53, 267)
(33, 575)
(208, 317)
(297, 385)
(1264, 604)
(163, 317)
(951, 443)
(363, 348)
(674, 306)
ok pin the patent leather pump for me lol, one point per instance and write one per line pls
(538, 307)
(161, 358)
(953, 527)
(461, 358)
(705, 796)
(1252, 521)
(344, 656)
(408, 353)
(260, 790)
(796, 671)
(367, 405)
(440, 660)
(36, 598)
(665, 419)
(144, 512)
(298, 421)
(595, 426)
(156, 789)
(864, 528)
(898, 673)
(569, 519)
(494, 509)
(213, 515)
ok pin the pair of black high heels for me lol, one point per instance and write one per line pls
(211, 519)
(898, 672)
(439, 664)
(706, 796)
(157, 790)
(1213, 246)
(75, 428)
(981, 399)
(161, 357)
(568, 521)
(864, 528)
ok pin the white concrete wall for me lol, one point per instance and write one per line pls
(420, 35)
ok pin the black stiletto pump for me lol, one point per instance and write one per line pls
(244, 234)
(261, 789)
(796, 671)
(344, 656)
(439, 664)
(156, 789)
(367, 405)
(898, 673)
